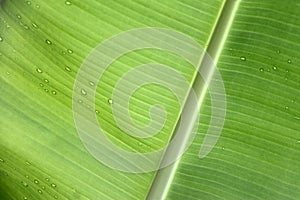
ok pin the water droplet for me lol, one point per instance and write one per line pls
(46, 90)
(19, 17)
(28, 3)
(63, 52)
(298, 118)
(140, 144)
(293, 100)
(1, 160)
(53, 185)
(25, 198)
(243, 58)
(46, 80)
(289, 61)
(68, 69)
(68, 3)
(278, 51)
(274, 67)
(97, 112)
(53, 92)
(1, 39)
(37, 6)
(286, 107)
(261, 69)
(43, 187)
(70, 51)
(80, 101)
(55, 196)
(27, 176)
(48, 42)
(223, 148)
(26, 27)
(110, 101)
(298, 141)
(40, 191)
(91, 83)
(83, 92)
(47, 179)
(24, 184)
(36, 181)
(28, 163)
(34, 25)
(39, 70)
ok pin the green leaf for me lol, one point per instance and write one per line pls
(42, 46)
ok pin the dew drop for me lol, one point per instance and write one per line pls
(24, 184)
(261, 69)
(293, 100)
(46, 80)
(34, 25)
(286, 107)
(53, 92)
(48, 42)
(97, 112)
(55, 196)
(274, 67)
(110, 101)
(27, 176)
(46, 90)
(28, 163)
(80, 101)
(25, 198)
(298, 118)
(140, 144)
(68, 3)
(19, 17)
(1, 160)
(53, 185)
(36, 181)
(223, 148)
(47, 179)
(39, 70)
(68, 69)
(243, 58)
(37, 6)
(43, 187)
(26, 27)
(278, 51)
(83, 92)
(70, 51)
(1, 39)
(40, 191)
(289, 61)
(28, 3)
(91, 83)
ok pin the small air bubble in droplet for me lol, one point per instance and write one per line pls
(24, 184)
(243, 58)
(40, 191)
(261, 69)
(39, 70)
(48, 42)
(70, 51)
(53, 185)
(68, 69)
(36, 181)
(68, 3)
(289, 61)
(110, 101)
(83, 92)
